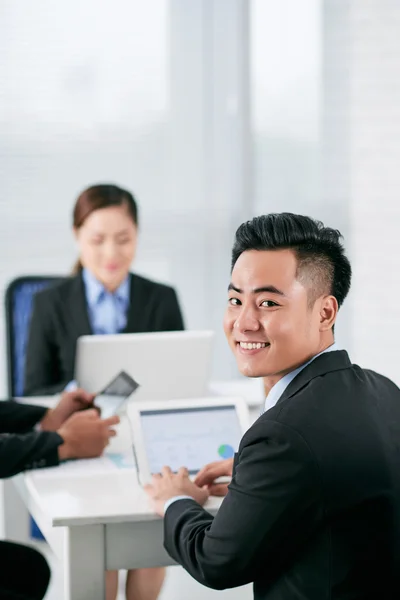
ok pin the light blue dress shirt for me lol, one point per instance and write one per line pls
(274, 394)
(107, 311)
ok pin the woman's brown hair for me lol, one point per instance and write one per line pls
(97, 197)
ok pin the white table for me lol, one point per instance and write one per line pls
(94, 517)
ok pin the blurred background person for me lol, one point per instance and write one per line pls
(102, 297)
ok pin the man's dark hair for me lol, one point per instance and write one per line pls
(322, 264)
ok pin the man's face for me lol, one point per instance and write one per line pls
(268, 321)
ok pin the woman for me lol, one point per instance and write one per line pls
(103, 297)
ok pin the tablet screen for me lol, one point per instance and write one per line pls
(189, 437)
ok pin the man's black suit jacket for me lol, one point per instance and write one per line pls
(21, 448)
(60, 317)
(313, 510)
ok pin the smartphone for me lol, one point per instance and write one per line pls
(111, 399)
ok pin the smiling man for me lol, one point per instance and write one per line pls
(313, 508)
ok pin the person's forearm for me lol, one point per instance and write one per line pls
(177, 517)
(30, 451)
(16, 417)
(175, 499)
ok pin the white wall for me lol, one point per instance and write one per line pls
(362, 154)
(286, 55)
(290, 121)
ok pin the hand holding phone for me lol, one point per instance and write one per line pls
(111, 399)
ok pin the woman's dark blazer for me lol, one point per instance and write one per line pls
(60, 317)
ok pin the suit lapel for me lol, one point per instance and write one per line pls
(134, 321)
(326, 363)
(77, 307)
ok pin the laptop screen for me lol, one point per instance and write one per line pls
(189, 437)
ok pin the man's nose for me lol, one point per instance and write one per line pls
(247, 321)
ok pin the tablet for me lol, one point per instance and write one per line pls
(185, 433)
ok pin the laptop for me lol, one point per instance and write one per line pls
(188, 433)
(166, 365)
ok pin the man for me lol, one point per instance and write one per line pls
(33, 437)
(313, 508)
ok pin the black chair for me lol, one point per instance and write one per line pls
(18, 309)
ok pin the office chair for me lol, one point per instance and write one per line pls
(18, 307)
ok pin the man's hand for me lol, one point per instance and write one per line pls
(70, 402)
(208, 474)
(166, 485)
(85, 435)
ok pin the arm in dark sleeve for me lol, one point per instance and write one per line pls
(19, 418)
(272, 507)
(41, 366)
(168, 315)
(30, 451)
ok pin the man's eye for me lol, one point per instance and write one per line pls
(234, 301)
(269, 303)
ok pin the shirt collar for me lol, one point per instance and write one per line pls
(280, 386)
(95, 290)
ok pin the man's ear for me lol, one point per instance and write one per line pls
(328, 311)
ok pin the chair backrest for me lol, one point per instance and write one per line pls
(18, 308)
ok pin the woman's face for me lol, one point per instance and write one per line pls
(107, 244)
